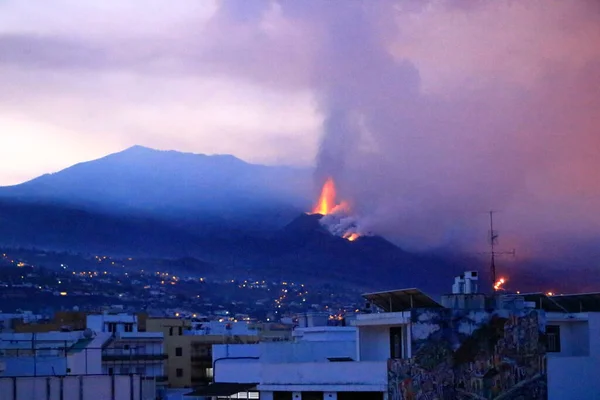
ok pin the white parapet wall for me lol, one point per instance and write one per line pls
(325, 376)
(83, 387)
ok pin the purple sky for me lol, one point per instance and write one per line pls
(427, 113)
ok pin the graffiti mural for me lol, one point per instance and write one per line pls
(464, 354)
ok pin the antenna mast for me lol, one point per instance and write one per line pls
(493, 238)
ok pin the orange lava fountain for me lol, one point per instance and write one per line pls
(327, 199)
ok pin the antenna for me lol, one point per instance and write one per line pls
(493, 239)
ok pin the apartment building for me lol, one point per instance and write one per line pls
(468, 345)
(52, 353)
(129, 350)
(189, 344)
(572, 343)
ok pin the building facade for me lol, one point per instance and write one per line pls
(411, 348)
(129, 350)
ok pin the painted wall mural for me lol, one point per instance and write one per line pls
(464, 354)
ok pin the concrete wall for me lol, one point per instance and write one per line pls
(594, 333)
(331, 376)
(236, 350)
(30, 366)
(237, 369)
(89, 360)
(76, 387)
(374, 343)
(310, 351)
(573, 378)
(327, 333)
(574, 338)
(232, 363)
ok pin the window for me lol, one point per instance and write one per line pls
(178, 351)
(125, 370)
(179, 372)
(396, 342)
(180, 330)
(111, 371)
(553, 338)
(171, 331)
(140, 370)
(112, 327)
(125, 347)
(128, 327)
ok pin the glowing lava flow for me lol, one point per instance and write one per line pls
(351, 236)
(499, 283)
(327, 199)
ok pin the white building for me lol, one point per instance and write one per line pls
(129, 351)
(52, 353)
(7, 319)
(378, 358)
(83, 387)
(573, 344)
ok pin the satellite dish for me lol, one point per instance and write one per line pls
(88, 333)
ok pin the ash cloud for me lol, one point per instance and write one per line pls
(436, 112)
(439, 112)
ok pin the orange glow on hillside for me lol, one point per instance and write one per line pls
(499, 283)
(326, 201)
(351, 236)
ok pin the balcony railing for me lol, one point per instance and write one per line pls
(201, 358)
(134, 357)
(201, 380)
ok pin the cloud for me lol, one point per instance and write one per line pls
(110, 75)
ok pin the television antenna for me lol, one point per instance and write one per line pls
(493, 240)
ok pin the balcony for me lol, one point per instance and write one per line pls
(326, 376)
(154, 336)
(202, 358)
(388, 318)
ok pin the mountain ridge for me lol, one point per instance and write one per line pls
(172, 184)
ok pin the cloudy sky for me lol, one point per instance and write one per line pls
(427, 112)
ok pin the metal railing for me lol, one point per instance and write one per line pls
(80, 360)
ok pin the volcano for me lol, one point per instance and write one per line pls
(307, 247)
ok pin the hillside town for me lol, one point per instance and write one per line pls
(107, 282)
(401, 344)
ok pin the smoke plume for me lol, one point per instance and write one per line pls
(436, 112)
(432, 112)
